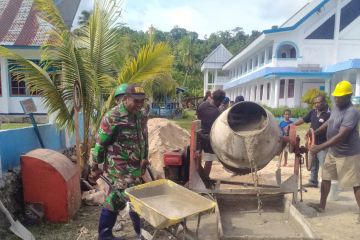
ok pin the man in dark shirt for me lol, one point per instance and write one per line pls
(316, 118)
(207, 112)
(342, 161)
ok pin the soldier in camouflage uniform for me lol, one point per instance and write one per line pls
(122, 140)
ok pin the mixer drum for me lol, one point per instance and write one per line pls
(243, 133)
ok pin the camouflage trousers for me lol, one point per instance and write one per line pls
(116, 199)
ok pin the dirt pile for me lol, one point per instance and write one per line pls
(164, 136)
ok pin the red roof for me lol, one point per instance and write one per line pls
(20, 25)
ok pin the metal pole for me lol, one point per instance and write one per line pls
(36, 129)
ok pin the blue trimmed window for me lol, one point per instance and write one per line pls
(18, 86)
(291, 88)
(282, 89)
(325, 31)
(349, 13)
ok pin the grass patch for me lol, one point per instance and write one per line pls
(185, 122)
(4, 126)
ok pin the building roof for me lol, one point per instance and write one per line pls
(300, 16)
(216, 58)
(219, 55)
(20, 25)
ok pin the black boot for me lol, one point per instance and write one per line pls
(106, 224)
(136, 223)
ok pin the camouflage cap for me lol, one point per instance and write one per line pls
(121, 90)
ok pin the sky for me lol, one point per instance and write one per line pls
(205, 16)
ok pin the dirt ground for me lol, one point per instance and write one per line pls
(337, 222)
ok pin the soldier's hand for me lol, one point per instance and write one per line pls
(144, 164)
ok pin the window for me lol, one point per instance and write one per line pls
(268, 91)
(282, 88)
(256, 64)
(17, 84)
(287, 51)
(349, 13)
(291, 88)
(261, 92)
(210, 77)
(251, 62)
(325, 31)
(293, 53)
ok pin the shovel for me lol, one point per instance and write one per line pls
(16, 227)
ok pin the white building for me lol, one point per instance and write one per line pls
(316, 48)
(23, 32)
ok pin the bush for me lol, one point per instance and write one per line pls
(295, 112)
(311, 94)
(188, 114)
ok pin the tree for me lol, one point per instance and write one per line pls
(89, 60)
(310, 94)
(84, 17)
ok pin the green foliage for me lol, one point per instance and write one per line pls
(309, 96)
(188, 114)
(295, 112)
(189, 51)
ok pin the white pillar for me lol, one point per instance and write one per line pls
(206, 74)
(276, 92)
(286, 91)
(357, 88)
(266, 56)
(5, 85)
(264, 92)
(327, 86)
(248, 91)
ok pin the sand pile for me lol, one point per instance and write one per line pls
(164, 136)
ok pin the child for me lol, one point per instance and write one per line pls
(284, 125)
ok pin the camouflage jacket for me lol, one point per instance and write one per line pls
(121, 142)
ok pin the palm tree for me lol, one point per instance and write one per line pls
(87, 60)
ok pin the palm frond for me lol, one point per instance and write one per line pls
(99, 37)
(39, 80)
(152, 60)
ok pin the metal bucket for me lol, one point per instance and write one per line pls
(246, 133)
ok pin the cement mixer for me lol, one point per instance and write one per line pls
(244, 133)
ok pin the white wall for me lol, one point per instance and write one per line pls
(9, 104)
